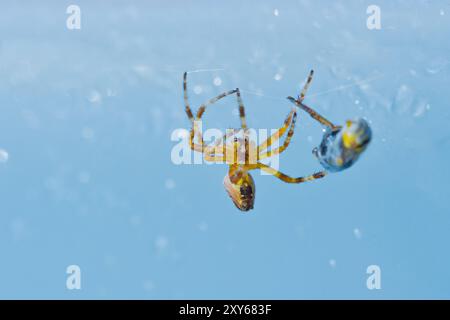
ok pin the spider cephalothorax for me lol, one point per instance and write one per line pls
(241, 153)
(341, 146)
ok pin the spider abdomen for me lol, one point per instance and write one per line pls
(241, 189)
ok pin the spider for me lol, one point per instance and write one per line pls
(242, 154)
(341, 146)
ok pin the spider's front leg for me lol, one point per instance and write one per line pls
(279, 133)
(316, 116)
(299, 103)
(290, 121)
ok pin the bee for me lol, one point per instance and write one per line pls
(240, 153)
(341, 146)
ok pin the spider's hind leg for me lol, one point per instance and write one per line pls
(316, 116)
(287, 178)
(201, 110)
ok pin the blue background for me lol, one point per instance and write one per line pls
(86, 118)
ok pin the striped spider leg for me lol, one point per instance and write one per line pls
(289, 122)
(194, 121)
(285, 177)
(299, 103)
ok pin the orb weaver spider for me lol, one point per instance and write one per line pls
(341, 146)
(238, 182)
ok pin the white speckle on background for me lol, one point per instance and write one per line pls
(278, 77)
(169, 184)
(309, 139)
(276, 13)
(332, 263)
(142, 70)
(235, 112)
(198, 89)
(356, 101)
(95, 97)
(161, 243)
(87, 133)
(436, 65)
(432, 70)
(217, 81)
(357, 233)
(363, 87)
(441, 12)
(4, 156)
(421, 108)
